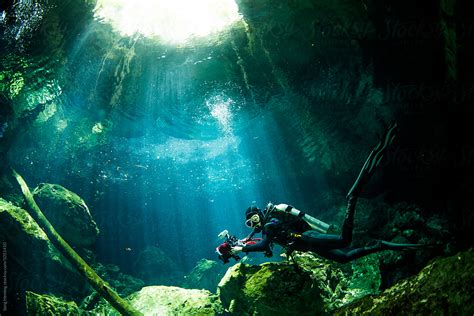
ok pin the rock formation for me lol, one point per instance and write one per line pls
(33, 263)
(444, 287)
(68, 213)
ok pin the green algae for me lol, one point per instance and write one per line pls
(49, 305)
(170, 300)
(269, 289)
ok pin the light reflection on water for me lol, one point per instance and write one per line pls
(171, 22)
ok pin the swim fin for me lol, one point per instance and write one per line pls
(395, 246)
(373, 160)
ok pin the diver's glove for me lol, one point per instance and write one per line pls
(235, 250)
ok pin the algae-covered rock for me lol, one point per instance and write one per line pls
(29, 246)
(444, 287)
(155, 267)
(365, 278)
(269, 289)
(341, 284)
(15, 221)
(37, 304)
(68, 214)
(168, 301)
(32, 261)
(205, 275)
(315, 286)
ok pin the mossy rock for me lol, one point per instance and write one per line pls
(16, 221)
(33, 262)
(341, 284)
(68, 214)
(444, 287)
(37, 304)
(169, 300)
(26, 240)
(269, 289)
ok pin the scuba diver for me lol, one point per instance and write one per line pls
(296, 230)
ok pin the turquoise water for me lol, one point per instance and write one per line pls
(169, 142)
(167, 145)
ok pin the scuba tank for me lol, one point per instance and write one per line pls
(313, 222)
(316, 224)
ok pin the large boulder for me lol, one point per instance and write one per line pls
(68, 213)
(33, 263)
(205, 275)
(444, 287)
(312, 286)
(155, 267)
(169, 300)
(269, 289)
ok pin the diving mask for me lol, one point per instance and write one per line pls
(253, 221)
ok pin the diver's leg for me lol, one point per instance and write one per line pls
(313, 240)
(366, 172)
(373, 160)
(326, 241)
(310, 240)
(348, 224)
(349, 254)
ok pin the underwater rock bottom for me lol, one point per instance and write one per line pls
(444, 286)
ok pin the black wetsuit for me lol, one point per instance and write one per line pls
(296, 235)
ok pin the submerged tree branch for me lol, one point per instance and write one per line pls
(97, 283)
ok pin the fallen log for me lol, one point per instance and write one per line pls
(104, 289)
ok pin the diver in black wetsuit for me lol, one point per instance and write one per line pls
(295, 230)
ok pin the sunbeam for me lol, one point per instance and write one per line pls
(171, 21)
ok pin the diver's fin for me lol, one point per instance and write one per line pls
(373, 160)
(395, 246)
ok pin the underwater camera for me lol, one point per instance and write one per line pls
(224, 250)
